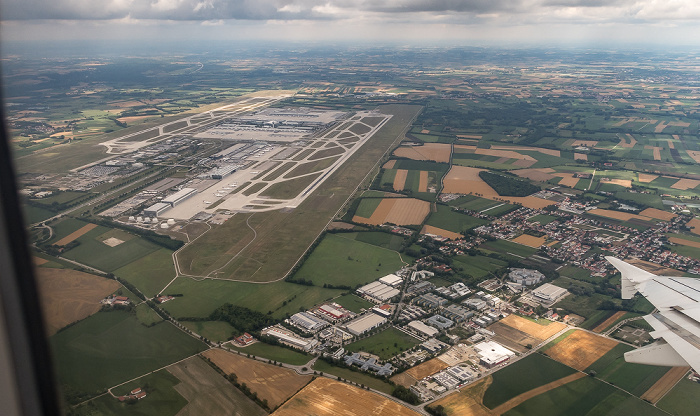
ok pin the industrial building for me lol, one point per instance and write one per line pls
(222, 171)
(547, 294)
(378, 292)
(446, 380)
(422, 328)
(475, 303)
(461, 373)
(492, 353)
(369, 364)
(332, 312)
(420, 287)
(430, 301)
(364, 323)
(156, 209)
(439, 322)
(391, 280)
(179, 196)
(290, 338)
(307, 322)
(457, 313)
(433, 346)
(525, 277)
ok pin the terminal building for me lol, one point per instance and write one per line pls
(179, 196)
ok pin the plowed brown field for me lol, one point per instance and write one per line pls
(581, 349)
(325, 397)
(269, 382)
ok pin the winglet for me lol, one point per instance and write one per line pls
(631, 276)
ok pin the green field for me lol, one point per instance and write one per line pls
(353, 303)
(476, 266)
(507, 247)
(385, 344)
(542, 219)
(683, 399)
(201, 298)
(451, 220)
(150, 273)
(340, 261)
(584, 397)
(367, 207)
(509, 382)
(353, 376)
(381, 239)
(216, 331)
(634, 378)
(111, 347)
(146, 315)
(161, 399)
(274, 352)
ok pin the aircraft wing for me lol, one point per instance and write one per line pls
(677, 322)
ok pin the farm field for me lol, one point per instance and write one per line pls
(354, 376)
(324, 397)
(399, 211)
(385, 344)
(580, 349)
(436, 152)
(447, 219)
(353, 303)
(517, 333)
(413, 374)
(683, 399)
(216, 331)
(151, 273)
(341, 261)
(68, 295)
(89, 360)
(269, 382)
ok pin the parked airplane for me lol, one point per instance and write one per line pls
(677, 322)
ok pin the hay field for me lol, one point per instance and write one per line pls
(670, 142)
(423, 181)
(69, 295)
(694, 154)
(269, 382)
(664, 384)
(646, 178)
(466, 180)
(468, 401)
(541, 332)
(75, 234)
(400, 179)
(658, 214)
(429, 229)
(325, 397)
(209, 393)
(399, 211)
(529, 240)
(606, 323)
(684, 242)
(694, 226)
(438, 152)
(685, 184)
(580, 349)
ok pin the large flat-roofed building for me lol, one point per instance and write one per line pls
(229, 151)
(439, 322)
(547, 294)
(391, 280)
(457, 313)
(156, 209)
(492, 353)
(364, 323)
(430, 301)
(179, 196)
(290, 338)
(378, 291)
(308, 321)
(422, 328)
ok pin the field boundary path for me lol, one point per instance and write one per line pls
(515, 401)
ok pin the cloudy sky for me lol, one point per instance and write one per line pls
(467, 22)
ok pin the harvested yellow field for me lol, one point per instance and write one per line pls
(567, 179)
(544, 151)
(694, 226)
(684, 242)
(399, 211)
(658, 214)
(529, 240)
(535, 330)
(654, 268)
(646, 178)
(419, 372)
(657, 153)
(580, 156)
(69, 295)
(581, 349)
(660, 127)
(400, 179)
(627, 183)
(464, 148)
(466, 180)
(423, 181)
(684, 184)
(438, 152)
(429, 229)
(390, 164)
(679, 124)
(468, 401)
(522, 163)
(272, 383)
(325, 397)
(75, 234)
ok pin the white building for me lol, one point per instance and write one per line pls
(391, 280)
(364, 323)
(547, 294)
(422, 328)
(308, 321)
(492, 353)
